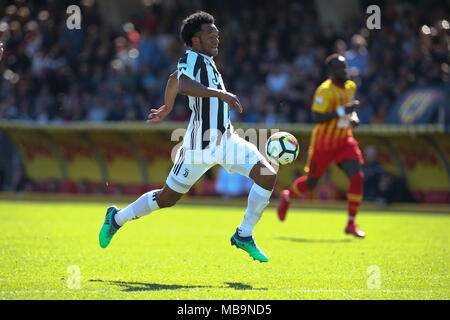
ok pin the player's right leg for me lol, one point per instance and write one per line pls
(144, 205)
(300, 186)
(352, 169)
(317, 164)
(183, 175)
(244, 158)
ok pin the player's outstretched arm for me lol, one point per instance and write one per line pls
(193, 88)
(158, 115)
(340, 112)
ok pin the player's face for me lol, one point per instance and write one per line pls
(340, 70)
(209, 40)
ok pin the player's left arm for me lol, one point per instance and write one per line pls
(346, 111)
(321, 109)
(158, 115)
(354, 119)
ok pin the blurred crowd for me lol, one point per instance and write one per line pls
(271, 56)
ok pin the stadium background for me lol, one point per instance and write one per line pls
(73, 102)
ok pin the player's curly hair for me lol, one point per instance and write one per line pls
(192, 24)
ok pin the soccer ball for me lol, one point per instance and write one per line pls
(282, 147)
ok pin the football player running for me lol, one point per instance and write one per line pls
(209, 140)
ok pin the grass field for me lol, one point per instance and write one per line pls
(185, 253)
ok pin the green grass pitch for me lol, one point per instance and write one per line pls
(49, 250)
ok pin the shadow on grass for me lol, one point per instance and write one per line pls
(314, 240)
(242, 286)
(142, 286)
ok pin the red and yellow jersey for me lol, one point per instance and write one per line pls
(327, 98)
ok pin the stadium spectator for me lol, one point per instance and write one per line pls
(358, 55)
(277, 79)
(278, 60)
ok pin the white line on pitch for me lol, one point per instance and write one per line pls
(5, 292)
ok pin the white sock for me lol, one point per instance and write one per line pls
(144, 205)
(258, 199)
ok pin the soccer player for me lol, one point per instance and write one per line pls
(334, 112)
(209, 140)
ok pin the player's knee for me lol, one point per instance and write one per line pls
(271, 180)
(166, 199)
(264, 175)
(165, 202)
(311, 182)
(267, 181)
(357, 178)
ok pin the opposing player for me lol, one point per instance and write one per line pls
(209, 139)
(334, 112)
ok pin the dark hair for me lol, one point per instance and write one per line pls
(193, 24)
(331, 59)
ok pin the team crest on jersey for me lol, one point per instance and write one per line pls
(319, 99)
(186, 173)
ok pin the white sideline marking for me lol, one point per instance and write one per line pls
(52, 291)
(325, 290)
(357, 290)
(6, 292)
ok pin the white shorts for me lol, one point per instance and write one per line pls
(234, 153)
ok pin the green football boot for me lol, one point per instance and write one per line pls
(248, 244)
(109, 227)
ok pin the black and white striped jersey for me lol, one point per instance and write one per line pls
(210, 116)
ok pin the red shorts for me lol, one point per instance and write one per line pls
(319, 160)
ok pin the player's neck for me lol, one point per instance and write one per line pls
(338, 82)
(201, 52)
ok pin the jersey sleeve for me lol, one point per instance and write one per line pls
(322, 100)
(186, 65)
(352, 88)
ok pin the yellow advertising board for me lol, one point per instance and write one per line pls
(140, 155)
